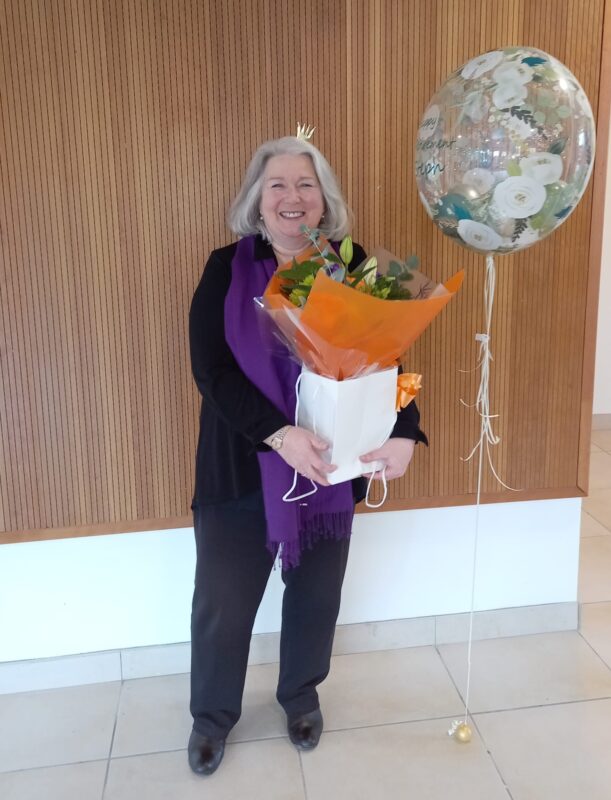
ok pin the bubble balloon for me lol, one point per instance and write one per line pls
(505, 150)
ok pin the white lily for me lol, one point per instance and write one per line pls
(370, 277)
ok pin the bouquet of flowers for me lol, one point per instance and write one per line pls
(349, 330)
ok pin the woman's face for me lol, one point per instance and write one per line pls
(291, 197)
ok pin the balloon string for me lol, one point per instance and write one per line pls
(487, 438)
(486, 434)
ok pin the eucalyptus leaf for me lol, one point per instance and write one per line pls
(334, 258)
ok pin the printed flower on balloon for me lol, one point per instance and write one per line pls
(505, 150)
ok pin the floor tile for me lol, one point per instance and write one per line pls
(600, 470)
(595, 627)
(57, 726)
(388, 686)
(154, 712)
(153, 715)
(529, 670)
(595, 569)
(262, 716)
(414, 760)
(602, 439)
(592, 527)
(559, 752)
(598, 505)
(594, 448)
(266, 770)
(78, 781)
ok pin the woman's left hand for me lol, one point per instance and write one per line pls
(395, 454)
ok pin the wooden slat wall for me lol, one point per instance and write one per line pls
(125, 130)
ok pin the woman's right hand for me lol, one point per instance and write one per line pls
(301, 450)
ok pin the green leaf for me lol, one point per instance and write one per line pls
(557, 147)
(513, 168)
(333, 258)
(299, 271)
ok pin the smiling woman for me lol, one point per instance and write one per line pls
(247, 448)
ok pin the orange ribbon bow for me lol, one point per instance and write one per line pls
(408, 386)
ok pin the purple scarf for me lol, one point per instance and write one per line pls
(328, 513)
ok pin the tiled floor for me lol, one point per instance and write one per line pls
(541, 713)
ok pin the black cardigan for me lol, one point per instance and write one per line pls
(235, 416)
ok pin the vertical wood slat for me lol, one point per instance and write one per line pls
(125, 130)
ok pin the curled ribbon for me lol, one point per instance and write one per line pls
(408, 386)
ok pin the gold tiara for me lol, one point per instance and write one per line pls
(305, 132)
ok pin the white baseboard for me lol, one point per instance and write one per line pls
(601, 422)
(146, 662)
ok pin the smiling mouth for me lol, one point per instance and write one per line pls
(292, 214)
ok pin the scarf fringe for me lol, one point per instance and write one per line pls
(334, 526)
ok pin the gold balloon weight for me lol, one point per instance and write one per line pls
(461, 732)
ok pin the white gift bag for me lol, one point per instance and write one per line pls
(354, 416)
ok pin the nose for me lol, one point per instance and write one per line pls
(294, 195)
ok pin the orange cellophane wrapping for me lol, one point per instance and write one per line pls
(341, 332)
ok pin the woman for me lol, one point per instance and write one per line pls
(248, 447)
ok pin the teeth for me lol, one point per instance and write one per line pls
(291, 214)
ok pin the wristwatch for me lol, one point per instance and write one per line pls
(276, 441)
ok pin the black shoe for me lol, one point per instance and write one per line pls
(304, 732)
(205, 753)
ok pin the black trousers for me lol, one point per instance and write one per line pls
(233, 567)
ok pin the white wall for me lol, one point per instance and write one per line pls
(109, 592)
(602, 375)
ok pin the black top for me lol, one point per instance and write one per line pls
(235, 416)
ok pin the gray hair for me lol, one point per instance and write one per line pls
(244, 217)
